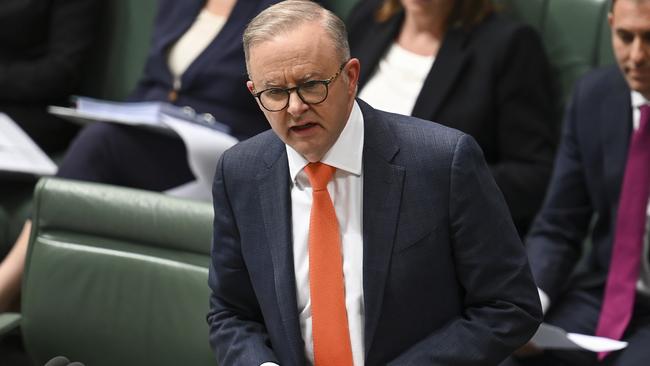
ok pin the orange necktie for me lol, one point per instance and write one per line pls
(326, 286)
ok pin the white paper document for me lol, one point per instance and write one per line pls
(204, 147)
(552, 337)
(18, 153)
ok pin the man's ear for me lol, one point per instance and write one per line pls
(610, 19)
(352, 73)
(250, 86)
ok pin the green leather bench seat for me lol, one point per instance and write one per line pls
(116, 276)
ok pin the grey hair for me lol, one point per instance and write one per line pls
(286, 16)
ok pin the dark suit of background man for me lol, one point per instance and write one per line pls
(433, 270)
(592, 188)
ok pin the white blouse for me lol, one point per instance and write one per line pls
(195, 40)
(396, 83)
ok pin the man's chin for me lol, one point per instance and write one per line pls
(641, 86)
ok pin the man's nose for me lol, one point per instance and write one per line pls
(296, 106)
(639, 51)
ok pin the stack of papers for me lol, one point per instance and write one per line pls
(205, 139)
(19, 154)
(137, 114)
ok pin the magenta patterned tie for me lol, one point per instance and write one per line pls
(620, 291)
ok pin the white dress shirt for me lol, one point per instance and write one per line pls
(643, 284)
(346, 191)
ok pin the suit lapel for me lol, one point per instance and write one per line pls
(615, 129)
(450, 62)
(382, 191)
(275, 199)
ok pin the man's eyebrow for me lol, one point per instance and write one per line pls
(271, 84)
(308, 77)
(304, 78)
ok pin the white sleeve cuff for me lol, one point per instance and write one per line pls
(269, 364)
(543, 298)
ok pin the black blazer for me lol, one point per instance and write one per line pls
(43, 45)
(492, 82)
(586, 184)
(445, 279)
(216, 81)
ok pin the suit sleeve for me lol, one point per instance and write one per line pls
(555, 240)
(55, 74)
(237, 332)
(501, 307)
(527, 125)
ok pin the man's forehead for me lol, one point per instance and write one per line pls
(278, 74)
(294, 55)
(631, 16)
(623, 9)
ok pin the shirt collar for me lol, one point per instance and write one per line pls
(638, 99)
(345, 154)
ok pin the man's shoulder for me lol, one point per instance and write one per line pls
(600, 83)
(412, 133)
(248, 155)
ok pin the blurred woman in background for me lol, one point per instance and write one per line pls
(196, 60)
(458, 63)
(43, 45)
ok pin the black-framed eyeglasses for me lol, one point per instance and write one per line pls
(310, 92)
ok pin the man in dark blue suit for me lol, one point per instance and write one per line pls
(425, 266)
(594, 186)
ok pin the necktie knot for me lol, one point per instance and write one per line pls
(319, 175)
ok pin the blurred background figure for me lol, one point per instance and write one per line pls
(589, 247)
(196, 60)
(43, 46)
(458, 63)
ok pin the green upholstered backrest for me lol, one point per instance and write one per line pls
(116, 276)
(117, 58)
(574, 32)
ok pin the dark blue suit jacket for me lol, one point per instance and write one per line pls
(445, 276)
(216, 81)
(585, 186)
